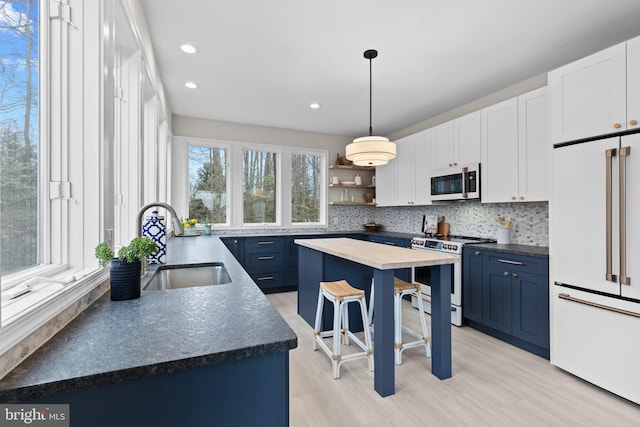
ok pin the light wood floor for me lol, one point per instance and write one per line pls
(493, 384)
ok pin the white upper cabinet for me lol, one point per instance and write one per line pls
(633, 83)
(443, 145)
(467, 138)
(499, 166)
(534, 149)
(457, 142)
(405, 171)
(596, 95)
(386, 184)
(405, 180)
(423, 161)
(515, 149)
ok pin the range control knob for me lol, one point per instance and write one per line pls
(454, 247)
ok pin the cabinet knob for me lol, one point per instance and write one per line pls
(477, 252)
(633, 122)
(521, 198)
(506, 273)
(617, 125)
(513, 197)
(514, 275)
(450, 164)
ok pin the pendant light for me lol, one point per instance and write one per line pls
(370, 150)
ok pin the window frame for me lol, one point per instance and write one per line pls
(228, 153)
(180, 147)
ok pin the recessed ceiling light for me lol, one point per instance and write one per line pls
(191, 85)
(188, 48)
(314, 105)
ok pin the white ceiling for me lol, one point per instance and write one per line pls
(263, 62)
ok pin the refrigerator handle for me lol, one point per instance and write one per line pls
(609, 155)
(624, 279)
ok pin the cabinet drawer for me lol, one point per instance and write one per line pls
(268, 279)
(516, 262)
(258, 259)
(270, 244)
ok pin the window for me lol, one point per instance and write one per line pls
(245, 185)
(208, 184)
(259, 184)
(306, 188)
(19, 135)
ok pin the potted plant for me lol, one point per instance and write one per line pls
(125, 269)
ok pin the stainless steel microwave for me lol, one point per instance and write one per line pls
(456, 182)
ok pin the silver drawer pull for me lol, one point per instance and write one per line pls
(506, 261)
(596, 305)
(265, 243)
(389, 243)
(265, 278)
(262, 258)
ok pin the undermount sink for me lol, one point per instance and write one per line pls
(188, 276)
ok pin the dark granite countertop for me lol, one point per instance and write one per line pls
(160, 333)
(537, 251)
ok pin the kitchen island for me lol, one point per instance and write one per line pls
(357, 261)
(192, 356)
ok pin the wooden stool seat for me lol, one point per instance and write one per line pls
(341, 289)
(341, 293)
(400, 285)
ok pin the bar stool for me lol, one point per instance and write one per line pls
(341, 293)
(400, 289)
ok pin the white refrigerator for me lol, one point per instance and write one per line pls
(594, 256)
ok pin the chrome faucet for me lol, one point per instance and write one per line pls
(175, 221)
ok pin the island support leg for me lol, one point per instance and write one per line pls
(383, 360)
(441, 320)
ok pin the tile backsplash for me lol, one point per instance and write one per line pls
(531, 226)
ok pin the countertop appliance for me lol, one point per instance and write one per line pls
(457, 182)
(594, 254)
(422, 275)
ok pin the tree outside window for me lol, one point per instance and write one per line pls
(208, 184)
(19, 135)
(259, 186)
(306, 174)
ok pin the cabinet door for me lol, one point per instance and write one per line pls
(499, 169)
(405, 171)
(588, 96)
(467, 138)
(423, 162)
(472, 284)
(530, 301)
(633, 83)
(386, 184)
(443, 145)
(496, 298)
(534, 150)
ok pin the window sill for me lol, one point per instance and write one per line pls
(20, 321)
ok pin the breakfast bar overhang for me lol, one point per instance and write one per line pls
(357, 262)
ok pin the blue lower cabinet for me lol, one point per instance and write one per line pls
(507, 296)
(249, 392)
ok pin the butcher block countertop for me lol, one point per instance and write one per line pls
(377, 255)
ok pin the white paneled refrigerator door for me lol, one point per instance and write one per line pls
(631, 288)
(578, 213)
